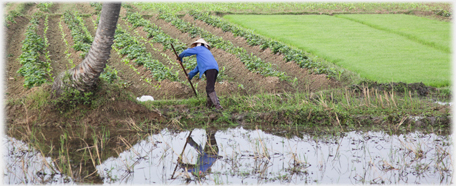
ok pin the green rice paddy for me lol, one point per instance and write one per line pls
(381, 48)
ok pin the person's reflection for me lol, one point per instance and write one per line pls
(206, 156)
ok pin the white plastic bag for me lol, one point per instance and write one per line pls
(145, 98)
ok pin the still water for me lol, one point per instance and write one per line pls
(240, 156)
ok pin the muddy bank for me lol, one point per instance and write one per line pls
(308, 118)
(113, 106)
(420, 88)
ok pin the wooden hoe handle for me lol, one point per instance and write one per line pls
(180, 62)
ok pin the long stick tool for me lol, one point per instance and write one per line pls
(180, 62)
(172, 176)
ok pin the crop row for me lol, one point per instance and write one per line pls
(97, 7)
(157, 34)
(67, 47)
(34, 70)
(130, 47)
(81, 36)
(47, 57)
(252, 62)
(290, 54)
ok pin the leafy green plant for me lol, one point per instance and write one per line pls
(109, 74)
(67, 53)
(96, 5)
(45, 7)
(154, 32)
(132, 49)
(33, 68)
(46, 45)
(10, 17)
(71, 97)
(81, 36)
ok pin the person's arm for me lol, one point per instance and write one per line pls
(193, 73)
(195, 145)
(188, 52)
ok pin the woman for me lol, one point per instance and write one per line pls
(207, 65)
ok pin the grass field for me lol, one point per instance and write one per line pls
(375, 54)
(423, 30)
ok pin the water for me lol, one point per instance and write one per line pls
(25, 165)
(255, 157)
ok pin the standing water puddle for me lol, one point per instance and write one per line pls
(239, 156)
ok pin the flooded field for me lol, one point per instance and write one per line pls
(240, 156)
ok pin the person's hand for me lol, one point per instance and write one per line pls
(179, 59)
(188, 77)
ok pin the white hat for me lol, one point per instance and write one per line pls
(201, 40)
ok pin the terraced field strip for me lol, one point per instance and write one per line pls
(433, 33)
(374, 54)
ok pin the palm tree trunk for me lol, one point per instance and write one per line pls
(84, 77)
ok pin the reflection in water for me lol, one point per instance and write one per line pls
(206, 156)
(239, 156)
(24, 165)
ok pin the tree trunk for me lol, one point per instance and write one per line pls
(84, 77)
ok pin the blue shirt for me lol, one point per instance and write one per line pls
(204, 162)
(204, 60)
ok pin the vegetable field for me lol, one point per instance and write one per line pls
(48, 38)
(142, 58)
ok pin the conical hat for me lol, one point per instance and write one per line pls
(201, 40)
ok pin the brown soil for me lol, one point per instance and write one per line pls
(15, 35)
(56, 46)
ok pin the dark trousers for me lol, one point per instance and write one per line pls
(211, 76)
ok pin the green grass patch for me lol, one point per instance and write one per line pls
(374, 54)
(430, 32)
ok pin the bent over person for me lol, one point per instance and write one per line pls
(207, 65)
